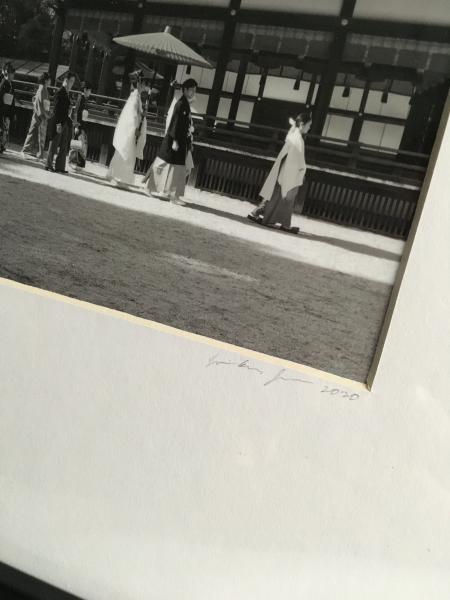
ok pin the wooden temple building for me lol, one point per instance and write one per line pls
(376, 76)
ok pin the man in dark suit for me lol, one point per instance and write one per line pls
(7, 104)
(176, 148)
(60, 126)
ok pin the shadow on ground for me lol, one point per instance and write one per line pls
(190, 278)
(350, 246)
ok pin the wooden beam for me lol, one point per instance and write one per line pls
(397, 29)
(155, 8)
(402, 30)
(291, 20)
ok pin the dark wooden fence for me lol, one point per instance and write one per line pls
(354, 201)
(341, 184)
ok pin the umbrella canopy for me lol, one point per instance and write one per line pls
(164, 46)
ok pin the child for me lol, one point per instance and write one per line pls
(79, 143)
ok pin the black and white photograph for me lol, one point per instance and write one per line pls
(244, 170)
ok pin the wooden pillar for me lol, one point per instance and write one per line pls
(359, 119)
(168, 91)
(224, 56)
(240, 80)
(328, 78)
(262, 84)
(90, 64)
(105, 73)
(58, 30)
(74, 52)
(130, 57)
(424, 118)
(310, 94)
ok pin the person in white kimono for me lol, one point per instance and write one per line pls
(130, 136)
(285, 178)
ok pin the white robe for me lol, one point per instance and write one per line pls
(289, 168)
(127, 150)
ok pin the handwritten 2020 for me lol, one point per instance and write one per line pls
(280, 376)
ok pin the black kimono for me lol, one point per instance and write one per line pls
(6, 87)
(59, 142)
(179, 131)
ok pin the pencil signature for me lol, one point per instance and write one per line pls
(280, 376)
(245, 364)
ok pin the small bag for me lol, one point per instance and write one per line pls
(8, 99)
(76, 145)
(85, 115)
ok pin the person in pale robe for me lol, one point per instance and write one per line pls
(168, 174)
(129, 137)
(285, 178)
(35, 141)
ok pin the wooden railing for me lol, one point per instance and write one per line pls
(349, 183)
(258, 140)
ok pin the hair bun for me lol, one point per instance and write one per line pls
(136, 75)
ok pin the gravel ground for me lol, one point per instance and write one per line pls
(189, 277)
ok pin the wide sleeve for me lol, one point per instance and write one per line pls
(182, 128)
(170, 114)
(124, 140)
(174, 122)
(39, 103)
(302, 160)
(137, 110)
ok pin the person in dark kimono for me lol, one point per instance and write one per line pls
(60, 127)
(35, 141)
(79, 143)
(168, 174)
(7, 104)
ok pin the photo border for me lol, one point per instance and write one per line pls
(284, 363)
(384, 332)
